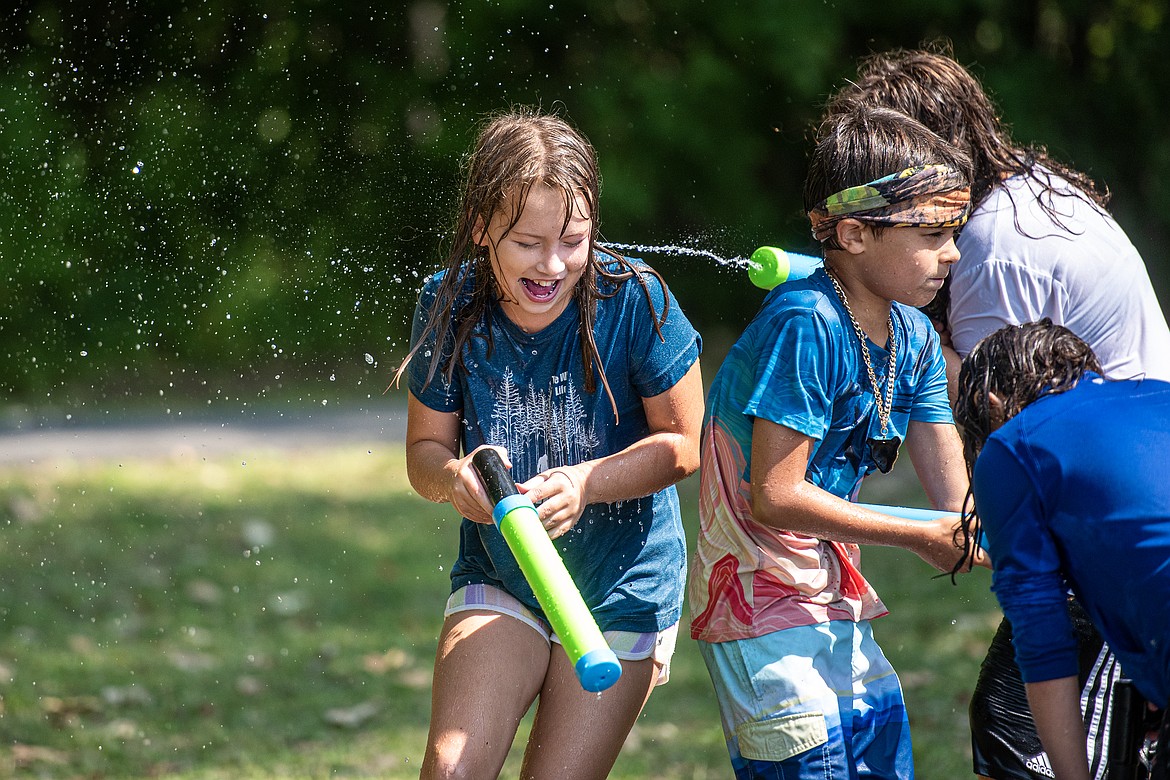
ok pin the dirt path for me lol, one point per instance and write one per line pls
(166, 437)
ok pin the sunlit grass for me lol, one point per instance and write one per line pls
(275, 616)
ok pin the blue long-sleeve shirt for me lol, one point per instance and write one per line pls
(1074, 491)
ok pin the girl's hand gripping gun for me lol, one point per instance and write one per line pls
(596, 664)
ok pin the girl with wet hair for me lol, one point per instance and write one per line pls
(579, 367)
(514, 152)
(1069, 490)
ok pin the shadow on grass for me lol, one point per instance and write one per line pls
(277, 617)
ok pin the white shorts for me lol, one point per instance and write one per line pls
(626, 645)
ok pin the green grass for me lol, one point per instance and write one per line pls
(276, 616)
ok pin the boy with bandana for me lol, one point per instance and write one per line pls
(831, 377)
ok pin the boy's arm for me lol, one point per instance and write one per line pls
(936, 451)
(784, 500)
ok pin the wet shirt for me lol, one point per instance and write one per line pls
(1017, 266)
(1072, 492)
(527, 394)
(799, 364)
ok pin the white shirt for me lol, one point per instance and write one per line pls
(1018, 266)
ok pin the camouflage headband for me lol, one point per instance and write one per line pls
(921, 196)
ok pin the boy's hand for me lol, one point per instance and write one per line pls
(938, 545)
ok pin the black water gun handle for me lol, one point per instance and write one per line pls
(496, 478)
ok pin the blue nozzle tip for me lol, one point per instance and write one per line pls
(598, 669)
(508, 503)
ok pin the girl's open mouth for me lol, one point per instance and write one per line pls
(541, 292)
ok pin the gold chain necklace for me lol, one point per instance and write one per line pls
(885, 449)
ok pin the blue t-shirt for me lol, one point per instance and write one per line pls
(799, 364)
(1073, 492)
(528, 395)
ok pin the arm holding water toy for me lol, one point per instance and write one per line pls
(819, 391)
(578, 366)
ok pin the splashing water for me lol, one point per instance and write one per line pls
(740, 263)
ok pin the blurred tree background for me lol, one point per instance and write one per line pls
(234, 201)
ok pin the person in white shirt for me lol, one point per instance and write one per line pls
(1071, 263)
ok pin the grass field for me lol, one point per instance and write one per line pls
(274, 615)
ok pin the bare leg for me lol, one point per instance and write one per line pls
(488, 670)
(577, 735)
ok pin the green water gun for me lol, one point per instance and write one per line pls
(770, 267)
(596, 665)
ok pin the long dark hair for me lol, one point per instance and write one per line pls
(513, 153)
(931, 86)
(1019, 364)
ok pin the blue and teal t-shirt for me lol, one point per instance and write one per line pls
(527, 395)
(799, 364)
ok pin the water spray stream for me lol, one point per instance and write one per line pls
(741, 263)
(767, 267)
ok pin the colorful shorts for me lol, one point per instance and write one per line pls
(816, 701)
(626, 645)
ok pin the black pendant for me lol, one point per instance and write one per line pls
(884, 452)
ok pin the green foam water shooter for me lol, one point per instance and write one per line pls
(596, 665)
(770, 266)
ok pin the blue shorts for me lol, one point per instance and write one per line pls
(816, 701)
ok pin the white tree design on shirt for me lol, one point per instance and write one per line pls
(541, 429)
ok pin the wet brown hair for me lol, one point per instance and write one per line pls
(867, 142)
(1019, 363)
(931, 86)
(514, 152)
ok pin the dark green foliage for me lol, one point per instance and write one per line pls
(236, 191)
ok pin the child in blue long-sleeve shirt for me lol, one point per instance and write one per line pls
(1068, 477)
